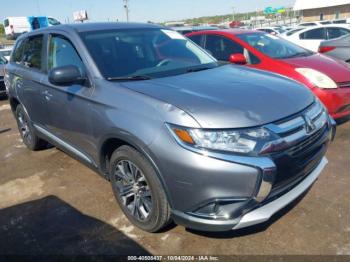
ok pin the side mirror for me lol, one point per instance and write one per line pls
(238, 59)
(66, 76)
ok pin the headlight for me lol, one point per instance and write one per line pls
(317, 78)
(245, 141)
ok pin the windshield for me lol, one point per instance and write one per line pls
(280, 30)
(274, 46)
(293, 31)
(144, 52)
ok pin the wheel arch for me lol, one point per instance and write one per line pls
(112, 142)
(14, 102)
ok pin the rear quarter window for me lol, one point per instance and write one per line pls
(6, 23)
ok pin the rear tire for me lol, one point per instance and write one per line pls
(27, 131)
(138, 190)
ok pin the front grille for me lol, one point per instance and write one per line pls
(344, 84)
(306, 139)
(2, 86)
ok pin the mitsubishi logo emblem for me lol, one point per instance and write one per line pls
(309, 124)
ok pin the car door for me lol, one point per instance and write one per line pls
(221, 47)
(29, 71)
(312, 38)
(68, 107)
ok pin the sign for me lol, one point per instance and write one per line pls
(272, 11)
(80, 16)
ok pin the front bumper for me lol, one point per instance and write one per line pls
(265, 212)
(256, 216)
(337, 101)
(214, 191)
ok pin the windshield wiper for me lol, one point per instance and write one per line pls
(297, 55)
(190, 70)
(129, 78)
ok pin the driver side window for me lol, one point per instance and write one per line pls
(62, 53)
(221, 48)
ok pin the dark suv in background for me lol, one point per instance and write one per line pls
(180, 136)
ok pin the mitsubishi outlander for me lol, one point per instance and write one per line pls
(180, 136)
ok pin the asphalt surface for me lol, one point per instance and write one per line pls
(52, 204)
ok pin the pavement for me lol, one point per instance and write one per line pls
(52, 204)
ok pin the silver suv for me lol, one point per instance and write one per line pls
(180, 137)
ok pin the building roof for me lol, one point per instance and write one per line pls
(313, 4)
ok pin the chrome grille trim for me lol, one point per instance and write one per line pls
(294, 131)
(314, 111)
(291, 124)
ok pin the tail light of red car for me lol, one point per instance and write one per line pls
(325, 49)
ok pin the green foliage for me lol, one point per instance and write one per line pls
(2, 30)
(228, 17)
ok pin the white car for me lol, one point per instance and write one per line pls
(315, 23)
(311, 37)
(272, 30)
(6, 52)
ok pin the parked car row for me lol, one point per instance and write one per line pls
(180, 135)
(311, 37)
(325, 22)
(328, 78)
(329, 37)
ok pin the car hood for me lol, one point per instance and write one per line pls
(338, 70)
(229, 96)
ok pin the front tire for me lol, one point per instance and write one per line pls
(138, 190)
(26, 129)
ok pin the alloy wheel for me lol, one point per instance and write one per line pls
(24, 127)
(133, 189)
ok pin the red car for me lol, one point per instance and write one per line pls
(327, 77)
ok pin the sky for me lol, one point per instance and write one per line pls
(140, 10)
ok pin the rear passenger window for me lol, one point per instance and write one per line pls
(18, 52)
(318, 33)
(334, 32)
(63, 53)
(29, 52)
(32, 53)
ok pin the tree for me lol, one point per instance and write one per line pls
(2, 30)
